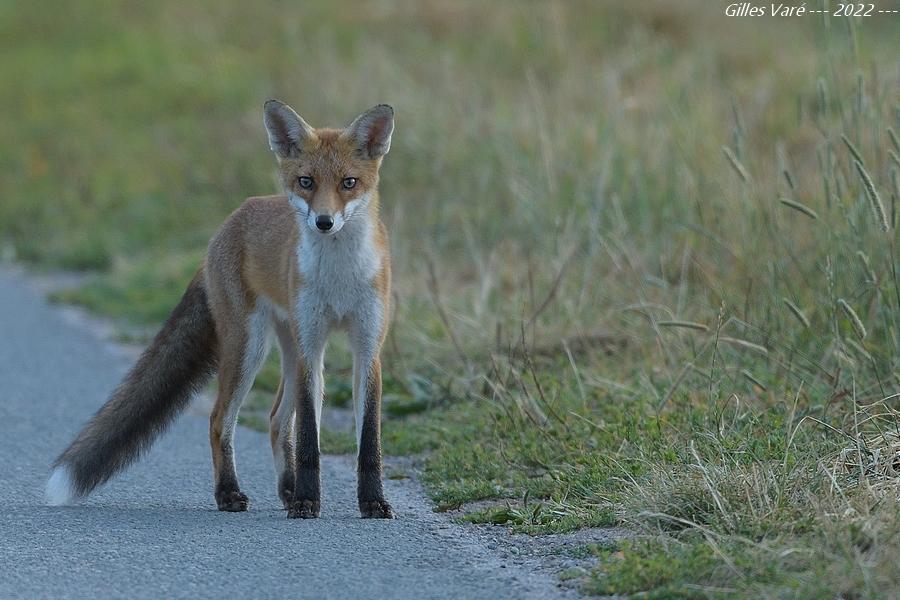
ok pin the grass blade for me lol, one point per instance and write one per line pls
(800, 208)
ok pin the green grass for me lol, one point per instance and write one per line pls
(641, 274)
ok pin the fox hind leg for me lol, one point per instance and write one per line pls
(281, 420)
(238, 367)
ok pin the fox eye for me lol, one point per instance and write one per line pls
(305, 182)
(349, 183)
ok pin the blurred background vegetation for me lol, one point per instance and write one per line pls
(640, 276)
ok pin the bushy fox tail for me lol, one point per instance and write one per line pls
(181, 359)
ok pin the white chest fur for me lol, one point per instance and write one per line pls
(338, 271)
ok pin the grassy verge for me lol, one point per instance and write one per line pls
(645, 255)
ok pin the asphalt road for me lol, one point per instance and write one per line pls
(154, 532)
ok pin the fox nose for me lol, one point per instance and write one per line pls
(324, 222)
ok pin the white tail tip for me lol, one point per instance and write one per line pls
(60, 489)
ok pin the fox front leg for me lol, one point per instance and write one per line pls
(365, 338)
(307, 483)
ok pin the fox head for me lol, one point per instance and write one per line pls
(329, 175)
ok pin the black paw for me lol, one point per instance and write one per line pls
(287, 498)
(286, 491)
(235, 501)
(375, 509)
(303, 509)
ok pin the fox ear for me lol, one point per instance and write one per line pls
(287, 130)
(372, 131)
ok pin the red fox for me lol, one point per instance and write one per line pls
(299, 265)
